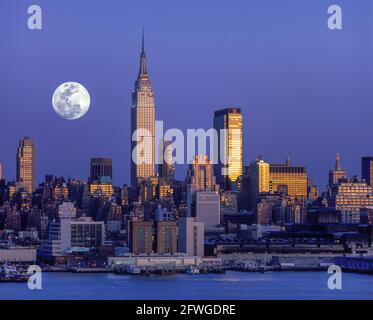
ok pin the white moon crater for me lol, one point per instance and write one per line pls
(71, 100)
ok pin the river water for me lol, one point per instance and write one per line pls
(232, 285)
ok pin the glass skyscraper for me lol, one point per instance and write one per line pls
(230, 120)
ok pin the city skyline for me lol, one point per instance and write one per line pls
(313, 146)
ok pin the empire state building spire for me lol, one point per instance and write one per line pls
(143, 70)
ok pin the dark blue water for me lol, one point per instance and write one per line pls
(232, 285)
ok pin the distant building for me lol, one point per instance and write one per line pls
(366, 215)
(191, 236)
(102, 187)
(243, 190)
(166, 170)
(101, 167)
(337, 173)
(367, 170)
(228, 202)
(350, 196)
(15, 254)
(162, 214)
(208, 208)
(141, 237)
(165, 237)
(293, 177)
(69, 232)
(201, 175)
(312, 191)
(1, 172)
(259, 180)
(26, 164)
(229, 120)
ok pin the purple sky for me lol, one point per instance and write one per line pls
(305, 91)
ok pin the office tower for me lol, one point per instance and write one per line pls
(166, 170)
(208, 208)
(101, 167)
(201, 175)
(26, 164)
(141, 237)
(243, 190)
(337, 173)
(259, 180)
(1, 171)
(367, 170)
(165, 237)
(191, 236)
(350, 196)
(142, 125)
(228, 170)
(292, 178)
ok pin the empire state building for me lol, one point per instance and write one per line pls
(142, 125)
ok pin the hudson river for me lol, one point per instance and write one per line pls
(232, 285)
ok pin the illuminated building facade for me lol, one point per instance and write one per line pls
(337, 173)
(350, 196)
(26, 164)
(102, 188)
(142, 126)
(201, 175)
(229, 119)
(291, 178)
(259, 180)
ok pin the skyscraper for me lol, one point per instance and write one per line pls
(337, 173)
(142, 125)
(293, 178)
(367, 170)
(229, 119)
(101, 167)
(26, 164)
(259, 180)
(1, 171)
(200, 175)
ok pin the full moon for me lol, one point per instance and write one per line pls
(71, 100)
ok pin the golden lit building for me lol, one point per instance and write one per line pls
(258, 172)
(228, 170)
(26, 164)
(290, 178)
(142, 126)
(103, 187)
(201, 175)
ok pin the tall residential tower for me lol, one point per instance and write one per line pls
(142, 125)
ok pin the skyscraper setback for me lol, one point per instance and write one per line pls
(26, 164)
(142, 125)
